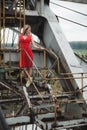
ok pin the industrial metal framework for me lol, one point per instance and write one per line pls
(44, 102)
(11, 12)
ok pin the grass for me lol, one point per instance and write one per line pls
(81, 52)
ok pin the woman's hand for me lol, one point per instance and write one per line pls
(42, 48)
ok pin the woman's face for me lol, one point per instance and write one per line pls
(28, 31)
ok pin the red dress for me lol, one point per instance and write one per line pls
(26, 54)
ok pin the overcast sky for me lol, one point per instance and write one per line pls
(72, 31)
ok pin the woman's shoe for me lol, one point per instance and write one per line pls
(29, 82)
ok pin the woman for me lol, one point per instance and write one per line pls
(26, 54)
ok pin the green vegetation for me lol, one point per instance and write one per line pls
(81, 53)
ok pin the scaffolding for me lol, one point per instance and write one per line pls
(46, 93)
(11, 12)
(12, 16)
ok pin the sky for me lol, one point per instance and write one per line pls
(73, 32)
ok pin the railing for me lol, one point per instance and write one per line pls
(57, 101)
(46, 71)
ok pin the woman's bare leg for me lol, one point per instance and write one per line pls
(30, 71)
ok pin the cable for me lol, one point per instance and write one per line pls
(72, 21)
(73, 11)
(69, 9)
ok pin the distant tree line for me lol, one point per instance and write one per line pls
(80, 48)
(78, 44)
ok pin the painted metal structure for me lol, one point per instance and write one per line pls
(55, 65)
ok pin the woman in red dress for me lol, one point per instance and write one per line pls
(26, 54)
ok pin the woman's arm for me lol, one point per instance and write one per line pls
(35, 46)
(17, 46)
